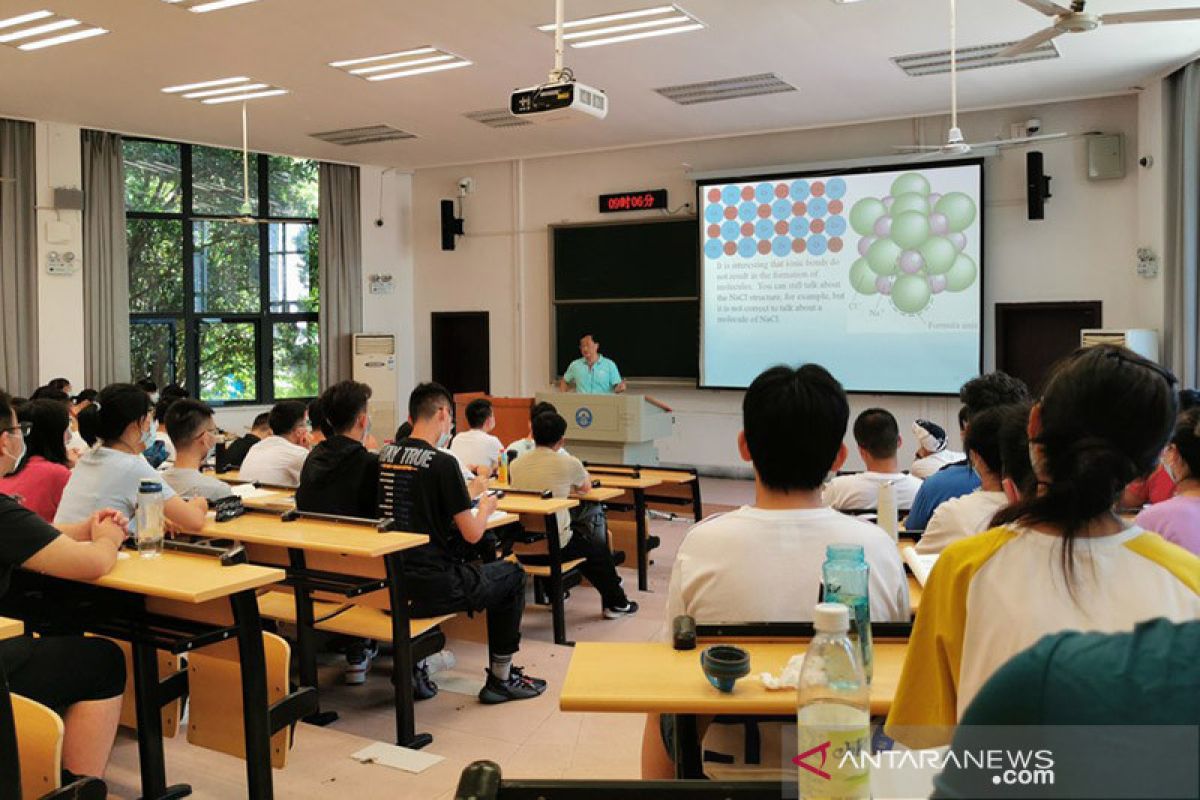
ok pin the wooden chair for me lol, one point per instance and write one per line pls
(39, 748)
(168, 664)
(482, 780)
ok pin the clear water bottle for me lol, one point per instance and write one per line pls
(887, 514)
(150, 519)
(833, 712)
(846, 577)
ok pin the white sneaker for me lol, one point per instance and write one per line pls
(440, 661)
(356, 671)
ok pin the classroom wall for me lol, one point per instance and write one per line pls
(1083, 250)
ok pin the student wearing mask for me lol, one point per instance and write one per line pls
(422, 490)
(1178, 519)
(38, 480)
(877, 435)
(148, 386)
(81, 678)
(972, 513)
(932, 452)
(477, 447)
(278, 459)
(986, 391)
(108, 476)
(193, 434)
(235, 452)
(1060, 559)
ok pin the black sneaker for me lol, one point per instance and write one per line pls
(616, 612)
(517, 687)
(423, 686)
(520, 672)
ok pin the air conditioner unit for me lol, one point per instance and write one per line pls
(1143, 341)
(375, 365)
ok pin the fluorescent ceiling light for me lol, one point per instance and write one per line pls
(74, 36)
(654, 23)
(239, 97)
(645, 12)
(400, 64)
(187, 87)
(217, 5)
(418, 71)
(420, 51)
(33, 16)
(36, 30)
(643, 35)
(248, 87)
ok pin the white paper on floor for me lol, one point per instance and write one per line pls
(458, 683)
(389, 755)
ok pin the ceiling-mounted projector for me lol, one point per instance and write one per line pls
(559, 100)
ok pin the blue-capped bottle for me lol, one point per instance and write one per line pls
(846, 577)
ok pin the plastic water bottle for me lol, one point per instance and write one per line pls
(888, 517)
(150, 519)
(846, 578)
(502, 469)
(833, 711)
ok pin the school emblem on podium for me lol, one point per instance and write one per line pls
(583, 417)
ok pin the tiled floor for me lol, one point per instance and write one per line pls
(528, 739)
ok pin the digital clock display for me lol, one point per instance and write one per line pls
(633, 201)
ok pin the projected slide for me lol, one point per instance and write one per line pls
(875, 275)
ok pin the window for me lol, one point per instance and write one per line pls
(225, 308)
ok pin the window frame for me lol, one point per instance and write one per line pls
(264, 319)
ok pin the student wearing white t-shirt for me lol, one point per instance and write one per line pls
(477, 447)
(972, 513)
(527, 445)
(1061, 559)
(932, 451)
(762, 563)
(278, 459)
(878, 437)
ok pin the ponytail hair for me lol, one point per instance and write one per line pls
(1106, 414)
(1187, 440)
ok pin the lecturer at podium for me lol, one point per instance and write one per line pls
(593, 373)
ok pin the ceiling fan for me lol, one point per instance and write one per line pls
(956, 144)
(1076, 20)
(246, 211)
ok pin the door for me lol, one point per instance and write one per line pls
(1031, 337)
(461, 351)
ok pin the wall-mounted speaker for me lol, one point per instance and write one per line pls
(451, 225)
(1037, 184)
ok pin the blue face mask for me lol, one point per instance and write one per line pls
(149, 434)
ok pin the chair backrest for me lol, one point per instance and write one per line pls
(39, 746)
(482, 781)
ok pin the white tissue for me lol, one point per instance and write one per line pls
(788, 678)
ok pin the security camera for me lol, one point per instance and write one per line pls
(465, 186)
(1032, 126)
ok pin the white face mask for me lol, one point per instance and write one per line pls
(18, 457)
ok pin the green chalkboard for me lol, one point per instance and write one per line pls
(636, 287)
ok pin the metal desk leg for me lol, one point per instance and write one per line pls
(256, 707)
(149, 722)
(687, 747)
(643, 550)
(306, 646)
(697, 505)
(402, 663)
(558, 608)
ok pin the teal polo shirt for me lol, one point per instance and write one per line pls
(600, 378)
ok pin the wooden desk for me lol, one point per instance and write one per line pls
(185, 578)
(310, 535)
(10, 628)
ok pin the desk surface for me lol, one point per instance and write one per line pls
(11, 627)
(668, 476)
(651, 677)
(185, 577)
(528, 504)
(597, 494)
(626, 481)
(311, 535)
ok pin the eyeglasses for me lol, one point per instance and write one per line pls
(23, 427)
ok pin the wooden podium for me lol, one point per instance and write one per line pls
(611, 428)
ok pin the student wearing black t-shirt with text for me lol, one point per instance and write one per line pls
(422, 490)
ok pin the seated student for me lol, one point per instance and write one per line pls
(148, 386)
(1160, 486)
(546, 468)
(932, 452)
(318, 427)
(278, 459)
(1060, 559)
(161, 451)
(82, 400)
(340, 475)
(762, 563)
(422, 490)
(993, 389)
(477, 447)
(61, 384)
(82, 678)
(477, 478)
(89, 425)
(526, 445)
(193, 434)
(39, 478)
(108, 476)
(972, 513)
(878, 437)
(1178, 519)
(235, 452)
(50, 393)
(1147, 677)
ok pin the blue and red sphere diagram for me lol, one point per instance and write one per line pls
(775, 218)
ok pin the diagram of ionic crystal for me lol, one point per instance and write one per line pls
(912, 244)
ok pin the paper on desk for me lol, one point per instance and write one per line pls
(789, 678)
(918, 563)
(249, 490)
(389, 755)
